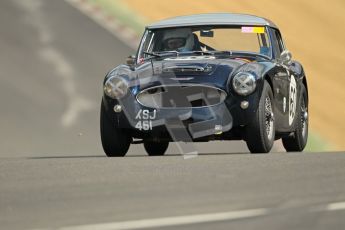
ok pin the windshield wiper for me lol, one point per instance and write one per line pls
(223, 52)
(152, 54)
(231, 53)
(202, 52)
(160, 54)
(168, 53)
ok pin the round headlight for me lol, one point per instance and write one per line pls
(244, 83)
(116, 87)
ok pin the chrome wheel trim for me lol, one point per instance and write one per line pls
(269, 118)
(304, 118)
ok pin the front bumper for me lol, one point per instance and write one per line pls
(180, 123)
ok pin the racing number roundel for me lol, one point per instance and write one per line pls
(292, 99)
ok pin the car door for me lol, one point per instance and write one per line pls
(284, 86)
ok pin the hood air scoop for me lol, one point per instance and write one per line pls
(187, 68)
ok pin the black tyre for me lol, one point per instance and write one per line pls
(115, 142)
(260, 133)
(156, 148)
(298, 140)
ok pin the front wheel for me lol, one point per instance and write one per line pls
(260, 133)
(298, 140)
(115, 142)
(156, 148)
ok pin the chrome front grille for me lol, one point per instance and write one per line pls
(181, 96)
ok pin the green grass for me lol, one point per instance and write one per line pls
(117, 9)
(316, 143)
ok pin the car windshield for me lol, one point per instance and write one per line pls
(251, 39)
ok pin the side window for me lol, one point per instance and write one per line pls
(147, 45)
(280, 41)
(278, 44)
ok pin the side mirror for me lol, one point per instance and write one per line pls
(131, 60)
(286, 57)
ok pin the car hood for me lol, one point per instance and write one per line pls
(188, 70)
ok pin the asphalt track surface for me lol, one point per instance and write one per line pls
(53, 173)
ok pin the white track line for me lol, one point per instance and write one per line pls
(336, 206)
(170, 221)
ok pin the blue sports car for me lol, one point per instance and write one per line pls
(206, 77)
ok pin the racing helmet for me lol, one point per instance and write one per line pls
(180, 39)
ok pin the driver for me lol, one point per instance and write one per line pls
(181, 40)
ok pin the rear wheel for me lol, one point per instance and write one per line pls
(156, 148)
(260, 133)
(298, 140)
(115, 142)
